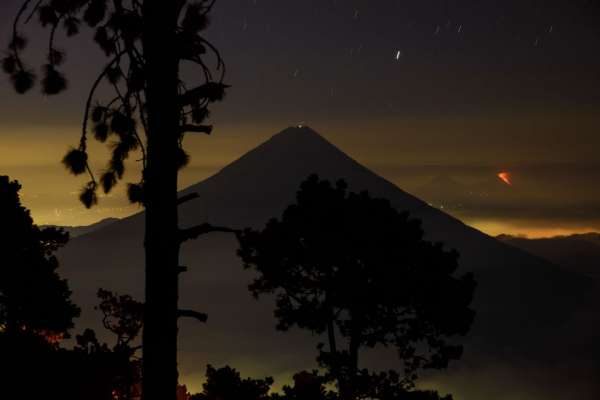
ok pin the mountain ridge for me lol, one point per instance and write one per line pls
(577, 252)
(79, 230)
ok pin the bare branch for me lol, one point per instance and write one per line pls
(15, 32)
(187, 197)
(201, 317)
(199, 230)
(207, 129)
(220, 62)
(32, 13)
(88, 104)
(181, 269)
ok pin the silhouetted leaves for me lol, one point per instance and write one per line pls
(121, 124)
(199, 114)
(125, 72)
(22, 81)
(101, 131)
(136, 80)
(75, 161)
(56, 57)
(106, 43)
(215, 91)
(226, 384)
(34, 300)
(90, 370)
(116, 163)
(183, 158)
(129, 25)
(71, 26)
(135, 193)
(389, 386)
(47, 15)
(307, 386)
(88, 195)
(195, 18)
(114, 75)
(9, 64)
(190, 45)
(123, 315)
(126, 144)
(95, 12)
(54, 82)
(108, 180)
(98, 113)
(17, 42)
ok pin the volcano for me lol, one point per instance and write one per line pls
(524, 304)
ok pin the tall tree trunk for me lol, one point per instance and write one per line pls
(161, 241)
(353, 347)
(353, 367)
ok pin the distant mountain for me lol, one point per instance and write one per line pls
(593, 237)
(576, 252)
(75, 231)
(527, 307)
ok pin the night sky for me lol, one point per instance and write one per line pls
(436, 96)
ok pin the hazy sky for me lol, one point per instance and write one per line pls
(437, 96)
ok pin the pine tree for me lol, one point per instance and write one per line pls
(145, 42)
(353, 268)
(34, 300)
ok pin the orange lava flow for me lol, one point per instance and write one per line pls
(505, 177)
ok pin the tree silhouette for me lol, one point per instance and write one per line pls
(145, 42)
(36, 313)
(33, 298)
(351, 266)
(123, 316)
(95, 370)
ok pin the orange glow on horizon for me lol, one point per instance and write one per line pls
(528, 229)
(505, 177)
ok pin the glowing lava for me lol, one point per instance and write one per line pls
(505, 177)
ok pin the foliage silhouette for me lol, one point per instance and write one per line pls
(307, 386)
(37, 370)
(351, 266)
(389, 386)
(33, 298)
(123, 316)
(110, 373)
(226, 384)
(145, 42)
(36, 314)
